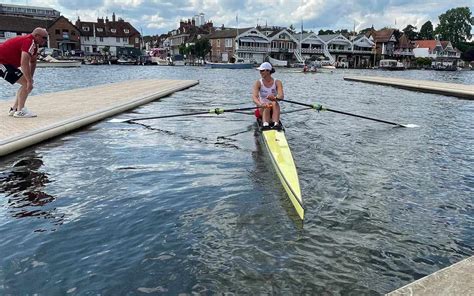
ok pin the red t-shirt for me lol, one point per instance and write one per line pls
(10, 50)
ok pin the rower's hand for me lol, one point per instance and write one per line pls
(272, 97)
(267, 106)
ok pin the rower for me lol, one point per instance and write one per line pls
(266, 93)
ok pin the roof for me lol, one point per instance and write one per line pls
(107, 27)
(227, 33)
(22, 24)
(404, 42)
(431, 44)
(383, 35)
(328, 37)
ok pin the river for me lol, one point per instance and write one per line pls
(192, 205)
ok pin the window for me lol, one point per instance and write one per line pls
(126, 31)
(228, 42)
(125, 39)
(101, 39)
(118, 39)
(86, 38)
(113, 30)
(73, 33)
(57, 32)
(85, 29)
(137, 40)
(218, 42)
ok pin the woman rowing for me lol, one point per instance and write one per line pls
(266, 93)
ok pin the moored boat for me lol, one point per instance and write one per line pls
(58, 64)
(392, 65)
(229, 65)
(282, 160)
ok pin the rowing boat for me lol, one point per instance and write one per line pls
(282, 160)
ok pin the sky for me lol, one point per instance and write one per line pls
(152, 17)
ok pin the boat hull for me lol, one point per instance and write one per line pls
(59, 64)
(280, 154)
(229, 65)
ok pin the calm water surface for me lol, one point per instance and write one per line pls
(192, 205)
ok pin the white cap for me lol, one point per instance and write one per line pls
(265, 66)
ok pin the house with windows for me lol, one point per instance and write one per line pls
(442, 53)
(362, 52)
(108, 36)
(338, 49)
(252, 45)
(282, 45)
(63, 35)
(28, 11)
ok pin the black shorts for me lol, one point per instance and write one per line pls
(10, 73)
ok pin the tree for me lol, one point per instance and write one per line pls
(325, 32)
(291, 28)
(410, 32)
(455, 25)
(426, 31)
(202, 47)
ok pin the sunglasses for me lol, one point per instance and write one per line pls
(263, 71)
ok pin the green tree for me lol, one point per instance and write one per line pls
(291, 28)
(410, 32)
(202, 47)
(325, 32)
(455, 25)
(426, 31)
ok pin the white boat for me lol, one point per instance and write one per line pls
(50, 62)
(392, 65)
(160, 61)
(277, 63)
(282, 160)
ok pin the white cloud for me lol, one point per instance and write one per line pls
(160, 16)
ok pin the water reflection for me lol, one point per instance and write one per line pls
(23, 184)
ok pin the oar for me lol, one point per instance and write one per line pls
(211, 111)
(321, 108)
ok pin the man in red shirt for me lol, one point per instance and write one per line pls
(21, 52)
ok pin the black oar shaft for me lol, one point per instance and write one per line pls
(364, 117)
(319, 107)
(212, 111)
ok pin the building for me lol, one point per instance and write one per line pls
(108, 37)
(442, 53)
(63, 34)
(28, 11)
(187, 33)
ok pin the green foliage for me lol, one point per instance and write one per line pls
(202, 47)
(423, 62)
(325, 32)
(410, 32)
(426, 31)
(467, 49)
(455, 25)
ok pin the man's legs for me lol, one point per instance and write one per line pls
(21, 95)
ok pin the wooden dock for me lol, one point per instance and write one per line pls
(457, 279)
(450, 89)
(61, 112)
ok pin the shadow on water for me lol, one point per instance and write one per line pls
(23, 185)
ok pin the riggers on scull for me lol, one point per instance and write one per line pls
(282, 160)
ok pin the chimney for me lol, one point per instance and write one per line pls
(100, 20)
(113, 16)
(106, 19)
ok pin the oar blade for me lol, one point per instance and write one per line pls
(119, 120)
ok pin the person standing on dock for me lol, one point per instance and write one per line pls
(21, 53)
(266, 93)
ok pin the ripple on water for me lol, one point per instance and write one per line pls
(194, 206)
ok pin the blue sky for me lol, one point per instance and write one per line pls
(159, 16)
